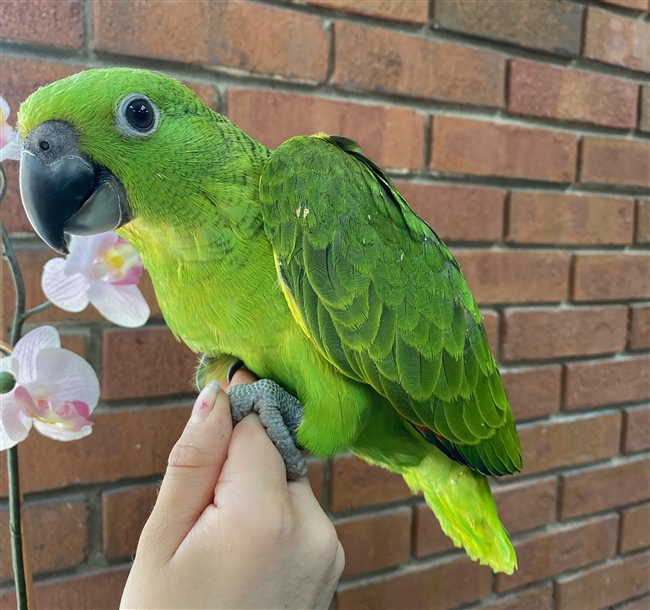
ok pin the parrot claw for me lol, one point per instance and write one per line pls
(279, 412)
(233, 368)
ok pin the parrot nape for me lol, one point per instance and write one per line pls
(305, 263)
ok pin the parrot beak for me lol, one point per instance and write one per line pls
(63, 191)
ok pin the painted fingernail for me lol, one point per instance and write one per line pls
(205, 402)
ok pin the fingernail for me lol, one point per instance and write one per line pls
(205, 402)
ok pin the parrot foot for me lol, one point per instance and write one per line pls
(279, 412)
(233, 368)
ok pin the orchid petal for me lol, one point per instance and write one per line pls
(14, 426)
(130, 275)
(5, 441)
(66, 291)
(123, 262)
(63, 376)
(4, 108)
(9, 365)
(85, 249)
(27, 350)
(9, 147)
(26, 403)
(61, 434)
(122, 305)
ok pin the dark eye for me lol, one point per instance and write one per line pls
(139, 114)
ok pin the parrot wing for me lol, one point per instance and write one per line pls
(383, 299)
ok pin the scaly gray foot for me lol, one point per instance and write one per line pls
(279, 412)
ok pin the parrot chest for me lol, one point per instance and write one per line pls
(224, 305)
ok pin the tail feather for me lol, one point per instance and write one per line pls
(462, 501)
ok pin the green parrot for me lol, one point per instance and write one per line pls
(305, 263)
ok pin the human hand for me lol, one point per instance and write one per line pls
(228, 530)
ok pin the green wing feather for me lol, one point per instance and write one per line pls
(384, 300)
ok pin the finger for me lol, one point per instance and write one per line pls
(302, 494)
(243, 375)
(254, 467)
(195, 463)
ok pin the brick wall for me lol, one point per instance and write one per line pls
(520, 131)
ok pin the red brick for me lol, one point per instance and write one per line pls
(639, 327)
(411, 11)
(635, 528)
(207, 93)
(125, 510)
(163, 364)
(609, 277)
(241, 36)
(445, 584)
(553, 218)
(56, 533)
(57, 23)
(551, 92)
(469, 146)
(20, 78)
(604, 487)
(428, 537)
(643, 221)
(644, 118)
(515, 22)
(457, 213)
(636, 436)
(538, 598)
(374, 59)
(375, 541)
(353, 483)
(75, 343)
(615, 39)
(613, 161)
(561, 549)
(533, 392)
(491, 323)
(98, 590)
(533, 334)
(515, 276)
(125, 443)
(603, 382)
(525, 505)
(392, 137)
(640, 603)
(637, 5)
(31, 263)
(604, 585)
(568, 442)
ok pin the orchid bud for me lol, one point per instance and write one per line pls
(7, 382)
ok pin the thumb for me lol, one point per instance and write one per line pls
(194, 467)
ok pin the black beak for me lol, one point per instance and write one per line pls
(63, 191)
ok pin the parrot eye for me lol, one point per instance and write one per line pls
(137, 116)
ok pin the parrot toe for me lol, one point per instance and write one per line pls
(279, 412)
(233, 368)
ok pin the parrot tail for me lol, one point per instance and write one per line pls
(462, 501)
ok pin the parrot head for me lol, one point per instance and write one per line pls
(98, 146)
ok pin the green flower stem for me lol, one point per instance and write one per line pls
(34, 310)
(15, 498)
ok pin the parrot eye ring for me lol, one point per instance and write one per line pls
(44, 145)
(137, 116)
